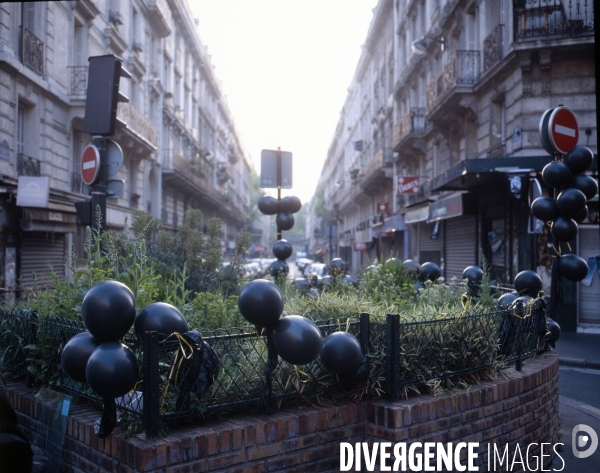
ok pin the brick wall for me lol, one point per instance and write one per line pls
(520, 407)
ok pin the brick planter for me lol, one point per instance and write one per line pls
(520, 408)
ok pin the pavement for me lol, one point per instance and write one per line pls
(579, 352)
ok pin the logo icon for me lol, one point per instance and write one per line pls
(583, 441)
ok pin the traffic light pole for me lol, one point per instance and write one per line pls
(98, 191)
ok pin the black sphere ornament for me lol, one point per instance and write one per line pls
(290, 204)
(572, 267)
(297, 339)
(570, 202)
(564, 228)
(412, 267)
(284, 221)
(112, 370)
(341, 353)
(337, 266)
(528, 283)
(586, 184)
(544, 209)
(162, 318)
(581, 216)
(282, 249)
(429, 271)
(261, 303)
(579, 159)
(108, 310)
(557, 174)
(76, 353)
(279, 268)
(506, 300)
(268, 205)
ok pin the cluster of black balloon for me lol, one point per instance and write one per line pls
(297, 339)
(427, 271)
(564, 213)
(98, 357)
(284, 209)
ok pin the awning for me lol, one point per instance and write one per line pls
(477, 172)
(56, 217)
(395, 223)
(419, 214)
(453, 205)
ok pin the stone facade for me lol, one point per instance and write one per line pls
(181, 149)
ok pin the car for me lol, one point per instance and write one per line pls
(316, 269)
(303, 263)
(300, 255)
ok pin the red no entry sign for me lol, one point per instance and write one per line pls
(90, 164)
(563, 129)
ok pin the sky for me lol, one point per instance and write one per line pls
(285, 67)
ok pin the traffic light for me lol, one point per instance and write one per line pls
(103, 94)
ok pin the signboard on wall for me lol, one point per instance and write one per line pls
(409, 184)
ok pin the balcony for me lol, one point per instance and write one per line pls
(492, 48)
(374, 174)
(410, 124)
(31, 51)
(458, 75)
(78, 81)
(159, 17)
(28, 166)
(137, 122)
(552, 19)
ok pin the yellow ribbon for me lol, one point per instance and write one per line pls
(180, 356)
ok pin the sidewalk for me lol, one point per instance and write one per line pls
(581, 350)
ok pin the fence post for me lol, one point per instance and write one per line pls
(364, 332)
(150, 394)
(392, 356)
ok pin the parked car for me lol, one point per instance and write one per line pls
(302, 263)
(316, 269)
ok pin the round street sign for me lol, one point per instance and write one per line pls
(90, 164)
(563, 129)
(114, 157)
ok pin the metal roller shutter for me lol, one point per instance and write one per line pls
(37, 249)
(430, 250)
(460, 239)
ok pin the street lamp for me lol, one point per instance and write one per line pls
(419, 46)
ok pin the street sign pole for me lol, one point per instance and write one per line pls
(279, 186)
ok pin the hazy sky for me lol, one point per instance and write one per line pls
(285, 67)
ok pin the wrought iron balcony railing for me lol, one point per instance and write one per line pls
(413, 121)
(551, 19)
(462, 69)
(137, 122)
(31, 51)
(28, 166)
(78, 80)
(492, 47)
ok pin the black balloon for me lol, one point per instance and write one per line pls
(519, 305)
(528, 283)
(579, 159)
(348, 280)
(586, 184)
(108, 310)
(412, 267)
(75, 355)
(261, 303)
(112, 370)
(473, 274)
(570, 202)
(301, 284)
(338, 266)
(564, 228)
(505, 300)
(554, 329)
(544, 208)
(327, 280)
(284, 221)
(297, 339)
(557, 174)
(341, 353)
(162, 318)
(268, 205)
(290, 204)
(282, 249)
(429, 271)
(581, 216)
(372, 268)
(279, 268)
(572, 267)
